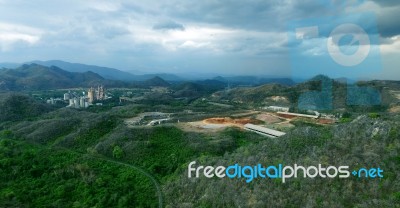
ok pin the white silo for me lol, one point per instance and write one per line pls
(82, 102)
(67, 96)
(76, 102)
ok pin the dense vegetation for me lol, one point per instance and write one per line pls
(64, 157)
(16, 107)
(365, 142)
(59, 157)
(34, 176)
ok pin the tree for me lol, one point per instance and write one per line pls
(118, 152)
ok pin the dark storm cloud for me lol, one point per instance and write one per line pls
(388, 21)
(258, 15)
(273, 15)
(168, 25)
(234, 14)
(129, 34)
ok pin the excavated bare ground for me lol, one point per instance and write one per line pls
(269, 118)
(227, 120)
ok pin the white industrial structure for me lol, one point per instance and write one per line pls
(158, 121)
(67, 96)
(276, 108)
(297, 115)
(263, 131)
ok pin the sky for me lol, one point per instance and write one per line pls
(277, 38)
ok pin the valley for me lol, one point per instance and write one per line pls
(159, 127)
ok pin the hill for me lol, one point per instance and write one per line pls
(106, 72)
(15, 107)
(255, 95)
(197, 89)
(156, 82)
(37, 77)
(353, 144)
(319, 92)
(68, 158)
(164, 76)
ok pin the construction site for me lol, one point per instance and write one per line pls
(272, 124)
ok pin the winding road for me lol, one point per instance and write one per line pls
(101, 157)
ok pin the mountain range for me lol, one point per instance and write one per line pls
(253, 80)
(37, 77)
(105, 72)
(116, 74)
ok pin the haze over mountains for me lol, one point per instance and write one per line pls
(35, 76)
(38, 77)
(116, 74)
(105, 72)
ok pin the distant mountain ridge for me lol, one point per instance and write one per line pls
(9, 65)
(254, 80)
(37, 77)
(116, 74)
(156, 81)
(105, 72)
(164, 76)
(318, 93)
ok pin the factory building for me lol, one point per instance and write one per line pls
(91, 95)
(51, 101)
(85, 99)
(76, 102)
(100, 94)
(277, 108)
(82, 102)
(67, 96)
(293, 115)
(263, 131)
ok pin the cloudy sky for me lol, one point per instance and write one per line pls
(253, 37)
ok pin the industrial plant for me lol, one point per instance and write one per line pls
(85, 100)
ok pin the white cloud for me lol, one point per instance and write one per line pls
(105, 6)
(119, 31)
(11, 34)
(190, 44)
(393, 47)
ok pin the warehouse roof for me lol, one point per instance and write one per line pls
(264, 131)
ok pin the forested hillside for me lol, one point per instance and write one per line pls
(365, 142)
(63, 157)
